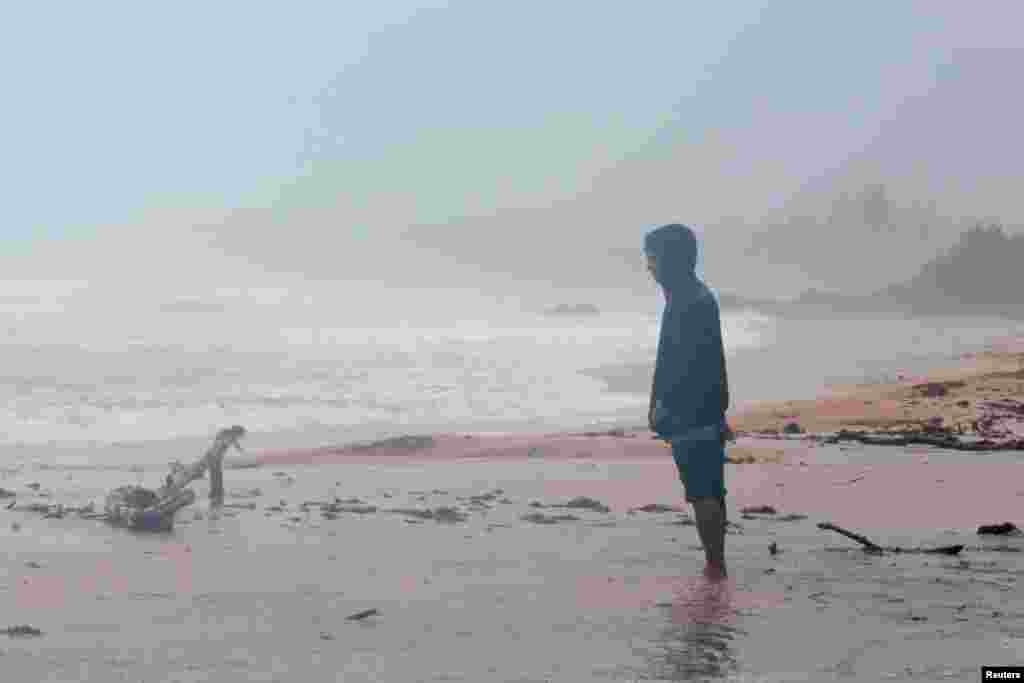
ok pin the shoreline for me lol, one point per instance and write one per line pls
(908, 403)
(992, 375)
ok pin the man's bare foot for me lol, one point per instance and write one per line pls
(715, 572)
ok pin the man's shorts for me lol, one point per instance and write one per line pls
(700, 459)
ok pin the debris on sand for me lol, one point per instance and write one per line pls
(34, 486)
(56, 511)
(758, 510)
(744, 455)
(485, 497)
(791, 517)
(541, 518)
(440, 514)
(449, 514)
(362, 615)
(935, 389)
(872, 547)
(658, 508)
(537, 504)
(584, 503)
(1004, 529)
(792, 428)
(354, 509)
(4, 493)
(23, 631)
(999, 426)
(409, 442)
(617, 432)
(572, 309)
(995, 549)
(773, 549)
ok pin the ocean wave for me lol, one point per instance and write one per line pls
(152, 386)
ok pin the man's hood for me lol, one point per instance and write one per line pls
(674, 248)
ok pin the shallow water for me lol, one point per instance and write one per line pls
(257, 595)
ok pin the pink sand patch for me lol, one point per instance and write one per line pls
(901, 494)
(41, 592)
(691, 599)
(180, 555)
(890, 407)
(1008, 344)
(409, 584)
(456, 447)
(897, 495)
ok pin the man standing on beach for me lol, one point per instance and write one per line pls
(690, 395)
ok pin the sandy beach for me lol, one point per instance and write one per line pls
(558, 557)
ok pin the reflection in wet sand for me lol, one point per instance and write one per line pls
(699, 640)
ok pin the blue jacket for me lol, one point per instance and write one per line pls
(691, 387)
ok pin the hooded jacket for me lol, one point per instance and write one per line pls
(691, 387)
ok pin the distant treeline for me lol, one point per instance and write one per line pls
(982, 274)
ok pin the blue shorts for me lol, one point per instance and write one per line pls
(700, 459)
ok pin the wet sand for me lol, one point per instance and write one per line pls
(519, 592)
(483, 567)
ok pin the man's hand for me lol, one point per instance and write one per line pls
(728, 436)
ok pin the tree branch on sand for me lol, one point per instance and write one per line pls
(145, 509)
(872, 547)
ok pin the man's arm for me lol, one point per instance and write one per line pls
(676, 351)
(727, 434)
(725, 376)
(665, 370)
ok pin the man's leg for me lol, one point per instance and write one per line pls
(701, 465)
(710, 514)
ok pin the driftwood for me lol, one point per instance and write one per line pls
(872, 547)
(938, 440)
(1004, 529)
(995, 429)
(146, 510)
(362, 615)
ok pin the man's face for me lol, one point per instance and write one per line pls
(652, 265)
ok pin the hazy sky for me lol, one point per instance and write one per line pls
(275, 133)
